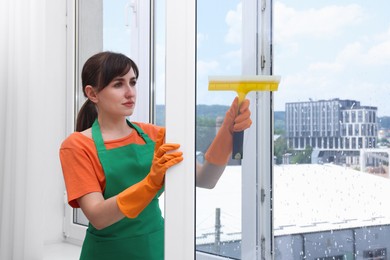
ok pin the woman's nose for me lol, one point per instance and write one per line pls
(130, 90)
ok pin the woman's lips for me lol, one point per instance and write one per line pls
(128, 104)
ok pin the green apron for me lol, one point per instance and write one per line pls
(128, 239)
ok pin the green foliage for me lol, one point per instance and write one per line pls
(280, 148)
(297, 157)
(206, 116)
(205, 132)
(211, 111)
(302, 157)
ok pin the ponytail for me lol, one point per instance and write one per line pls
(86, 116)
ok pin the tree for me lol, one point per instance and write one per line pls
(280, 148)
(302, 157)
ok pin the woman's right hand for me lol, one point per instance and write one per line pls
(165, 156)
(134, 199)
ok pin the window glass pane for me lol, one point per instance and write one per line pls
(331, 127)
(218, 210)
(118, 22)
(158, 80)
(102, 25)
(159, 61)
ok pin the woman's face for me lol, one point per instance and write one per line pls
(119, 96)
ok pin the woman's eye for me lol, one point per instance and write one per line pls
(117, 85)
(133, 83)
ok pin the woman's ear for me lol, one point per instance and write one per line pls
(91, 93)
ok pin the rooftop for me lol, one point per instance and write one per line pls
(307, 198)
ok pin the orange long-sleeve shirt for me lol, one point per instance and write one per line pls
(81, 167)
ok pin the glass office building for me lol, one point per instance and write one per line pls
(335, 129)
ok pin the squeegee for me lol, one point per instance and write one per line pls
(242, 85)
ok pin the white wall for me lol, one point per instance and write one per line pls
(32, 125)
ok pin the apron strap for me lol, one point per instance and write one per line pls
(140, 132)
(98, 138)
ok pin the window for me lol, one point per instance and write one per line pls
(320, 48)
(219, 210)
(376, 254)
(353, 116)
(337, 257)
(113, 26)
(300, 200)
(221, 230)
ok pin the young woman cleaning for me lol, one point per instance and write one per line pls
(114, 169)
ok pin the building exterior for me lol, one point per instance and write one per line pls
(336, 129)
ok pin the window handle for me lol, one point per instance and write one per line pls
(132, 9)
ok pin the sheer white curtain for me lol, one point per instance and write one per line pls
(30, 126)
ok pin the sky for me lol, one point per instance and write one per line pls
(322, 50)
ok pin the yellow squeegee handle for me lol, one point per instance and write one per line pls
(241, 97)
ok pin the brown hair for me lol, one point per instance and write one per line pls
(98, 71)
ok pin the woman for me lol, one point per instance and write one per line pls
(114, 169)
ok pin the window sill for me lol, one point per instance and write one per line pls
(61, 251)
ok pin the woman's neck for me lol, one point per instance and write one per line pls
(113, 128)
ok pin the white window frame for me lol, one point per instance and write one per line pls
(180, 124)
(257, 60)
(257, 243)
(73, 233)
(79, 48)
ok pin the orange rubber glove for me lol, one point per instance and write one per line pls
(236, 120)
(134, 199)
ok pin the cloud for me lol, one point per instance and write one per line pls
(204, 68)
(235, 55)
(379, 54)
(358, 55)
(200, 38)
(322, 22)
(325, 67)
(234, 20)
(350, 54)
(374, 54)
